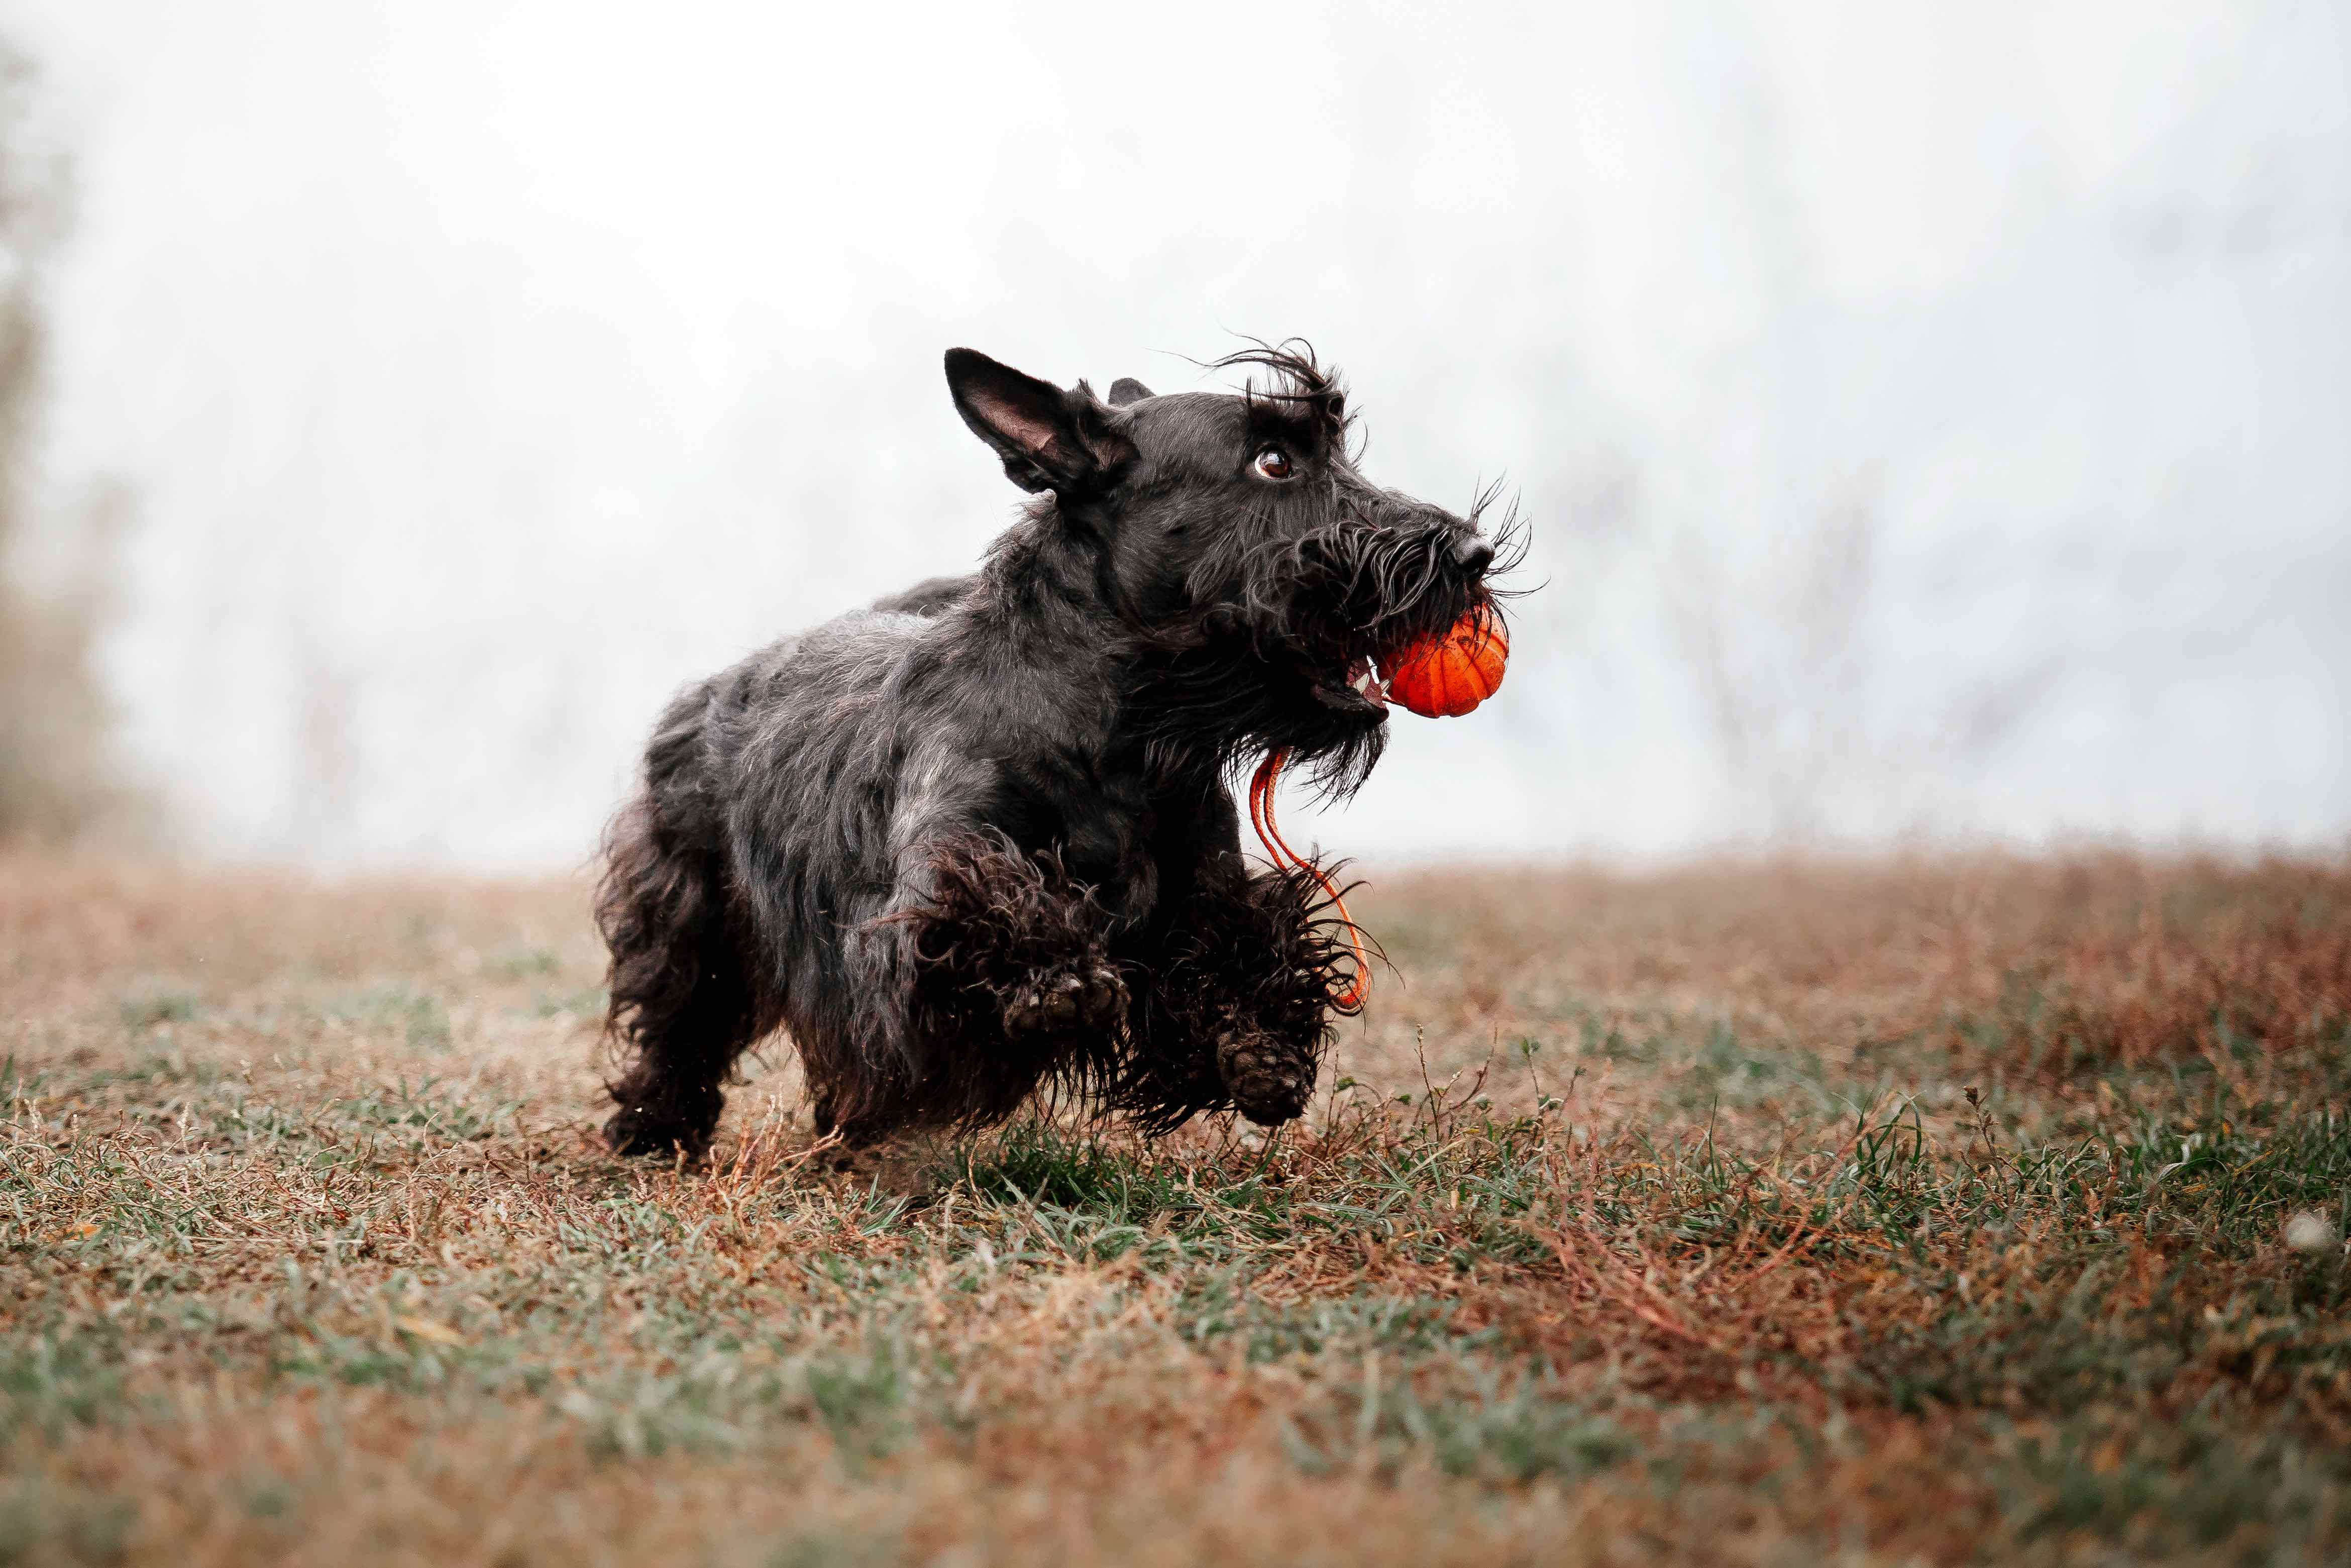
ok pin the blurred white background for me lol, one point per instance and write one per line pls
(1933, 417)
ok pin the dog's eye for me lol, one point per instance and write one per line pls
(1273, 462)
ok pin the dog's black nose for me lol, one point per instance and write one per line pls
(1472, 554)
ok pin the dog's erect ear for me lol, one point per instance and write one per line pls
(1127, 389)
(1049, 439)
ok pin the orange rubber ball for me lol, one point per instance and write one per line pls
(1445, 677)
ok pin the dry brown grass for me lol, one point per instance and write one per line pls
(1641, 1220)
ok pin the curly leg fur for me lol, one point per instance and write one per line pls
(1237, 1014)
(685, 1005)
(1010, 987)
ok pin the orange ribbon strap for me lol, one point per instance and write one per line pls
(1282, 854)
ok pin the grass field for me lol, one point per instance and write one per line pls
(1981, 1211)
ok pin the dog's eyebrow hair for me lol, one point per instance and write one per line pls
(1298, 415)
(1304, 395)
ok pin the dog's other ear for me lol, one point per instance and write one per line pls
(1127, 389)
(1049, 439)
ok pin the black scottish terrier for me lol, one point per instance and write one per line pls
(977, 839)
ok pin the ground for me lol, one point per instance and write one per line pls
(1974, 1210)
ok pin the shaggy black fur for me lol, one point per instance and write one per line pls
(978, 841)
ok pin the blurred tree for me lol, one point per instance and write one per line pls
(53, 720)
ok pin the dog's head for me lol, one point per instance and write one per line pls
(1266, 583)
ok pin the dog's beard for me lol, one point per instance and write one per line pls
(1296, 631)
(1220, 705)
(1294, 654)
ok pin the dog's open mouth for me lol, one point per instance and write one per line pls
(1362, 689)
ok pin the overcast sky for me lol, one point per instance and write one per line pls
(1933, 418)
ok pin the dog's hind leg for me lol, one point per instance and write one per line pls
(683, 1004)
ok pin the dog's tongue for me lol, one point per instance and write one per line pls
(1364, 677)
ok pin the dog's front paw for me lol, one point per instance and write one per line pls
(1270, 1081)
(1090, 996)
